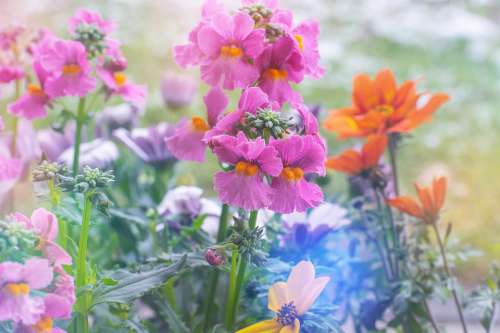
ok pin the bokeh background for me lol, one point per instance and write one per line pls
(451, 46)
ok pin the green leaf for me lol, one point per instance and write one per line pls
(133, 285)
(175, 324)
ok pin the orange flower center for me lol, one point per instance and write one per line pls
(231, 51)
(292, 174)
(17, 289)
(71, 69)
(120, 79)
(35, 89)
(300, 41)
(246, 168)
(199, 124)
(44, 325)
(385, 109)
(275, 74)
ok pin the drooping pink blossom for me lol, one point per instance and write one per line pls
(300, 155)
(10, 168)
(186, 143)
(55, 307)
(306, 35)
(178, 91)
(90, 18)
(229, 45)
(117, 83)
(16, 282)
(9, 73)
(70, 70)
(281, 63)
(244, 186)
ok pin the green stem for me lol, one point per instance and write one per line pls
(170, 294)
(386, 242)
(214, 275)
(430, 316)
(80, 119)
(55, 199)
(231, 292)
(15, 119)
(394, 165)
(448, 273)
(81, 266)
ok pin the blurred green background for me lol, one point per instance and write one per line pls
(451, 46)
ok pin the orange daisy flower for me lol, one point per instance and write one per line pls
(431, 201)
(354, 162)
(380, 106)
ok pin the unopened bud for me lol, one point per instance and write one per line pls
(215, 257)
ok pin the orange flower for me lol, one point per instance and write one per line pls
(353, 162)
(380, 106)
(431, 201)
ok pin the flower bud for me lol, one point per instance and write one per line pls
(214, 257)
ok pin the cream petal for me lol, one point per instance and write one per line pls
(291, 329)
(277, 296)
(310, 294)
(302, 275)
(265, 326)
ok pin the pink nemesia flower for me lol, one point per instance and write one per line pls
(34, 102)
(271, 4)
(280, 64)
(56, 307)
(244, 186)
(65, 286)
(10, 168)
(113, 59)
(292, 192)
(9, 73)
(118, 84)
(88, 17)
(186, 143)
(70, 70)
(16, 282)
(177, 90)
(229, 44)
(306, 35)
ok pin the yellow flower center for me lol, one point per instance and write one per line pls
(231, 51)
(17, 289)
(246, 168)
(120, 79)
(292, 174)
(385, 109)
(300, 41)
(44, 325)
(35, 89)
(275, 74)
(199, 124)
(71, 69)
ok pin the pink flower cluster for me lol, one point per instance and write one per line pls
(257, 48)
(35, 293)
(66, 68)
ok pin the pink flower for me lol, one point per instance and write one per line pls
(87, 17)
(244, 187)
(53, 143)
(271, 4)
(280, 64)
(292, 192)
(56, 307)
(2, 125)
(178, 91)
(306, 35)
(229, 45)
(10, 168)
(186, 143)
(10, 73)
(33, 104)
(118, 84)
(65, 286)
(113, 59)
(70, 70)
(16, 282)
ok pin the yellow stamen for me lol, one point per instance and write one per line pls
(199, 124)
(385, 109)
(300, 41)
(71, 69)
(35, 89)
(231, 51)
(275, 74)
(44, 325)
(17, 289)
(246, 168)
(120, 79)
(292, 174)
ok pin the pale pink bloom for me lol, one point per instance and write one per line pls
(117, 83)
(177, 90)
(55, 307)
(70, 70)
(300, 155)
(2, 124)
(53, 143)
(306, 35)
(65, 286)
(229, 45)
(10, 168)
(16, 282)
(9, 73)
(244, 186)
(271, 4)
(91, 18)
(113, 59)
(187, 141)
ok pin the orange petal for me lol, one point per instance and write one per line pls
(349, 162)
(405, 91)
(277, 296)
(265, 326)
(439, 186)
(365, 95)
(406, 205)
(386, 85)
(344, 126)
(310, 293)
(372, 120)
(425, 197)
(373, 150)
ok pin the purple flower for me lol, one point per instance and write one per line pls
(99, 153)
(148, 143)
(183, 200)
(178, 91)
(244, 187)
(53, 143)
(115, 117)
(87, 17)
(300, 155)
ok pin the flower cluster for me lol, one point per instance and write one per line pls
(66, 67)
(37, 291)
(267, 150)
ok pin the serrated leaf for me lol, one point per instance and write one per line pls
(133, 285)
(175, 324)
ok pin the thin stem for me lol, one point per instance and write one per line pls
(80, 119)
(55, 198)
(448, 273)
(252, 221)
(231, 292)
(170, 294)
(493, 318)
(395, 235)
(430, 316)
(386, 242)
(214, 275)
(15, 119)
(394, 165)
(81, 266)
